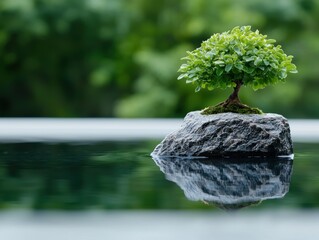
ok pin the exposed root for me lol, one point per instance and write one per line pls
(234, 107)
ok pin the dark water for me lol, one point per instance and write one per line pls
(122, 175)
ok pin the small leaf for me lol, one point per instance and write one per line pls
(219, 62)
(182, 76)
(257, 61)
(239, 66)
(228, 67)
(248, 59)
(219, 71)
(183, 66)
(237, 50)
(270, 41)
(283, 74)
(198, 88)
(210, 54)
(249, 69)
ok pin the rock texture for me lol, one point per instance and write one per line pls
(228, 134)
(229, 183)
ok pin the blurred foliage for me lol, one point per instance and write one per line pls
(118, 175)
(91, 58)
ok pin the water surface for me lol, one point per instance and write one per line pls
(119, 175)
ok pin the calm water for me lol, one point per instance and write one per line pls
(122, 176)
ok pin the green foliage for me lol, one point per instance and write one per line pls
(118, 58)
(239, 55)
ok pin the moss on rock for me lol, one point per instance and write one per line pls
(234, 108)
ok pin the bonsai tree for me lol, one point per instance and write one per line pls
(233, 59)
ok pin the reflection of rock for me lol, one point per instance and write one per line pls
(228, 183)
(228, 134)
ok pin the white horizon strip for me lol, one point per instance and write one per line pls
(158, 225)
(114, 129)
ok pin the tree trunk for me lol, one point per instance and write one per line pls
(233, 98)
(232, 104)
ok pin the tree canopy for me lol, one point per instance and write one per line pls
(240, 56)
(232, 59)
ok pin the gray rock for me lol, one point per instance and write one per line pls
(229, 183)
(228, 134)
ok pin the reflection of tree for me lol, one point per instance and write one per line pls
(229, 183)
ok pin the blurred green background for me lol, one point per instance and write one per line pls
(119, 58)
